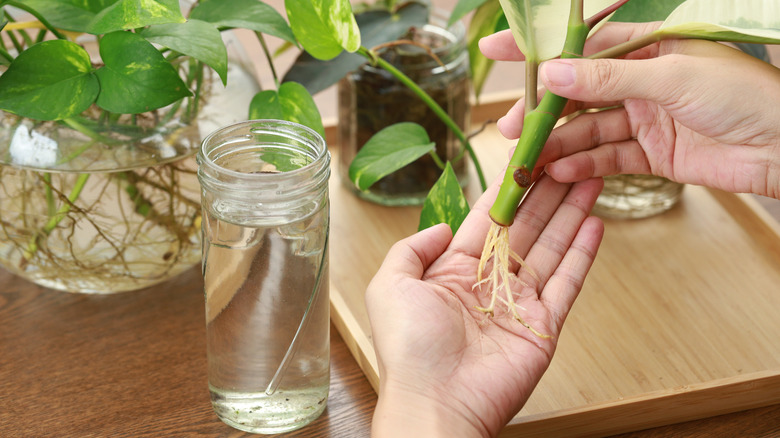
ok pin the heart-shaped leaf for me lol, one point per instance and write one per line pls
(445, 203)
(248, 14)
(136, 78)
(376, 27)
(324, 27)
(194, 38)
(51, 80)
(291, 102)
(387, 151)
(134, 14)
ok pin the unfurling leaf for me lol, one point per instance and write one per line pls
(445, 203)
(387, 151)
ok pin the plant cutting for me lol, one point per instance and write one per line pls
(543, 30)
(531, 22)
(103, 105)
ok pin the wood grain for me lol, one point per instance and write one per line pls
(132, 364)
(677, 320)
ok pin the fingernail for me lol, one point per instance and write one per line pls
(557, 73)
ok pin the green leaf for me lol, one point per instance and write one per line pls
(445, 203)
(291, 102)
(136, 78)
(376, 27)
(324, 27)
(463, 8)
(247, 14)
(387, 151)
(51, 80)
(73, 15)
(133, 14)
(539, 26)
(643, 11)
(747, 21)
(194, 38)
(483, 23)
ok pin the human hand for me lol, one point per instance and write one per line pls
(692, 111)
(446, 368)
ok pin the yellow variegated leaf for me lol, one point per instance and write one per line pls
(539, 26)
(756, 21)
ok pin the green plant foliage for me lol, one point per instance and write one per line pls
(247, 14)
(194, 38)
(376, 27)
(445, 203)
(484, 22)
(387, 151)
(323, 27)
(642, 11)
(463, 7)
(136, 78)
(73, 15)
(539, 26)
(291, 102)
(133, 14)
(748, 21)
(51, 80)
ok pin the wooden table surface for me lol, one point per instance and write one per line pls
(134, 364)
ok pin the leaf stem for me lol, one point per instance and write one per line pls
(537, 126)
(268, 57)
(371, 56)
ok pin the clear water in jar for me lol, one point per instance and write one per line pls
(267, 315)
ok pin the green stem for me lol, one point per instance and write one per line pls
(4, 53)
(75, 192)
(431, 104)
(537, 126)
(268, 57)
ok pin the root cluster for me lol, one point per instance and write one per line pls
(500, 277)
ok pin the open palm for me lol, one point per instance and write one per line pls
(430, 340)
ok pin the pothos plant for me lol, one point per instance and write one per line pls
(149, 62)
(542, 29)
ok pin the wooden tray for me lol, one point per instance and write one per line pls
(678, 319)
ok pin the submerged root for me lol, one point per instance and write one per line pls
(497, 248)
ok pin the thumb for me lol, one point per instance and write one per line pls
(605, 80)
(410, 257)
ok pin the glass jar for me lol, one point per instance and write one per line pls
(370, 99)
(112, 204)
(636, 196)
(265, 268)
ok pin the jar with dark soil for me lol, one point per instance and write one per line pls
(371, 99)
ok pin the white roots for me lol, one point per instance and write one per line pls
(497, 248)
